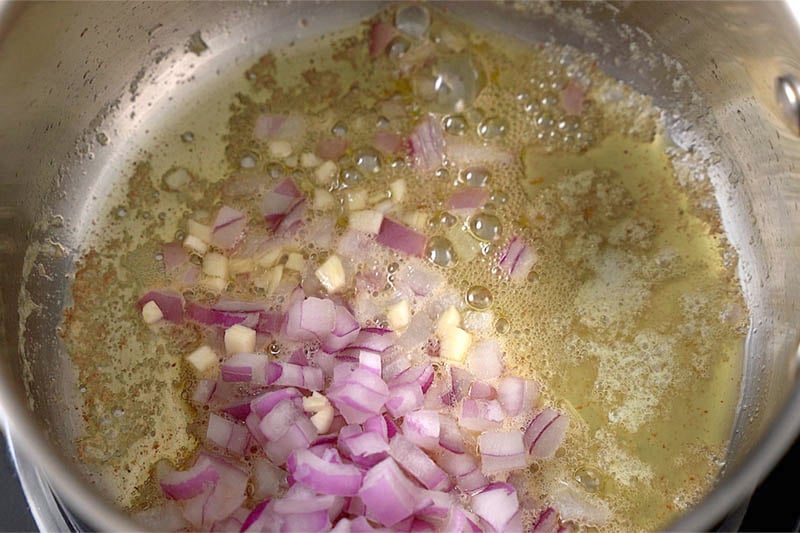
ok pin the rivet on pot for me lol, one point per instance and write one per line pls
(787, 93)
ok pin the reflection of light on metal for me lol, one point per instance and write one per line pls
(787, 92)
(794, 8)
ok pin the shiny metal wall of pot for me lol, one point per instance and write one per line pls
(69, 71)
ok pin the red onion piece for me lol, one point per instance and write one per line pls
(466, 200)
(480, 390)
(461, 382)
(228, 435)
(254, 521)
(279, 419)
(245, 367)
(219, 501)
(204, 391)
(170, 302)
(293, 219)
(427, 145)
(460, 521)
(422, 375)
(263, 404)
(387, 142)
(269, 322)
(310, 319)
(516, 395)
(331, 149)
(375, 340)
(501, 451)
(418, 464)
(365, 449)
(279, 202)
(422, 428)
(239, 411)
(299, 435)
(268, 479)
(387, 494)
(485, 359)
(547, 522)
(228, 228)
(237, 306)
(370, 361)
(325, 477)
(450, 437)
(212, 317)
(404, 398)
(517, 259)
(182, 485)
(480, 415)
(377, 424)
(496, 505)
(464, 468)
(358, 396)
(268, 126)
(175, 256)
(302, 377)
(546, 433)
(572, 98)
(401, 238)
(345, 331)
(380, 35)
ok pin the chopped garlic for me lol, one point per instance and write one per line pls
(201, 231)
(151, 312)
(309, 160)
(323, 200)
(240, 339)
(398, 315)
(323, 420)
(240, 265)
(325, 173)
(280, 149)
(377, 198)
(356, 199)
(331, 274)
(295, 262)
(203, 358)
(384, 206)
(315, 403)
(398, 189)
(449, 318)
(195, 245)
(291, 161)
(215, 265)
(367, 221)
(454, 343)
(418, 220)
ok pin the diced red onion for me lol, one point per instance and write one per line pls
(466, 200)
(356, 525)
(182, 485)
(496, 505)
(245, 367)
(480, 390)
(331, 149)
(485, 359)
(237, 306)
(268, 479)
(460, 521)
(252, 421)
(422, 375)
(517, 259)
(268, 126)
(217, 502)
(422, 428)
(269, 322)
(311, 318)
(380, 35)
(364, 448)
(547, 522)
(175, 256)
(263, 404)
(480, 415)
(257, 519)
(279, 419)
(170, 302)
(377, 424)
(233, 522)
(401, 238)
(427, 145)
(464, 468)
(239, 410)
(450, 437)
(345, 331)
(501, 451)
(388, 495)
(370, 361)
(228, 435)
(546, 433)
(228, 228)
(572, 98)
(418, 464)
(461, 382)
(212, 317)
(279, 202)
(358, 396)
(404, 398)
(373, 339)
(299, 357)
(203, 391)
(324, 476)
(387, 142)
(302, 377)
(293, 219)
(516, 395)
(299, 435)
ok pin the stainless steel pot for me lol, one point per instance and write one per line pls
(69, 71)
